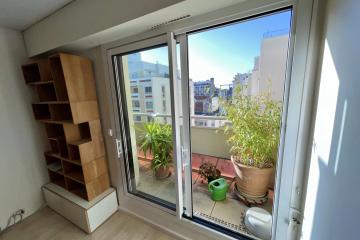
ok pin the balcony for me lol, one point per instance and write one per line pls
(228, 213)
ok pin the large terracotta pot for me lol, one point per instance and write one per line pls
(162, 172)
(252, 181)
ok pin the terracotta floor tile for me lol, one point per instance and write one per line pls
(209, 159)
(195, 176)
(196, 161)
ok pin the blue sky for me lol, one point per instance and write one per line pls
(225, 51)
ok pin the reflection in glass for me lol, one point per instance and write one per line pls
(145, 93)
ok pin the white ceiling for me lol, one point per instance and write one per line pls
(20, 14)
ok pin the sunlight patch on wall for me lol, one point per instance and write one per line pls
(326, 110)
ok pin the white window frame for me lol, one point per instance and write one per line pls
(297, 116)
(146, 105)
(147, 87)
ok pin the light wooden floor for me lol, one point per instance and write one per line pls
(48, 225)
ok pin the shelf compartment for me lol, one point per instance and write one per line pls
(53, 163)
(37, 71)
(41, 111)
(74, 172)
(31, 73)
(58, 146)
(62, 158)
(60, 112)
(54, 130)
(59, 78)
(74, 153)
(46, 92)
(57, 178)
(76, 188)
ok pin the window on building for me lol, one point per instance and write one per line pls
(137, 118)
(148, 89)
(134, 90)
(164, 105)
(149, 105)
(136, 103)
(149, 119)
(163, 91)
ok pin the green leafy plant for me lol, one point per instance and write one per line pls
(156, 138)
(254, 131)
(209, 172)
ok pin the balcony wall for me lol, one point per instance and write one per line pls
(204, 140)
(209, 141)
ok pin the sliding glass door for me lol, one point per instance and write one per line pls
(146, 120)
(236, 83)
(200, 121)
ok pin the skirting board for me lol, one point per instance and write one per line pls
(86, 215)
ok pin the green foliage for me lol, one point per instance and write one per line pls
(254, 131)
(157, 139)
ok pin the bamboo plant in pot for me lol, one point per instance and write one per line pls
(156, 139)
(254, 135)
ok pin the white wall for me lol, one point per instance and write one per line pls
(22, 165)
(332, 207)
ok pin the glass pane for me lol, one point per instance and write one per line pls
(146, 103)
(237, 75)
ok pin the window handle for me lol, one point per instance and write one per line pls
(118, 147)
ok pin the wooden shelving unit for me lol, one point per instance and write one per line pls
(67, 105)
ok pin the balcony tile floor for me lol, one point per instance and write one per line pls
(228, 213)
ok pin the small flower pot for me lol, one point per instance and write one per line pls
(162, 173)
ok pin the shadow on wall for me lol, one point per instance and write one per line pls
(332, 207)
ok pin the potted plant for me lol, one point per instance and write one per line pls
(156, 139)
(254, 135)
(209, 172)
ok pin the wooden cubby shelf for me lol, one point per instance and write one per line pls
(41, 111)
(67, 105)
(46, 92)
(76, 187)
(53, 164)
(57, 178)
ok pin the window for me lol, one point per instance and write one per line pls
(134, 90)
(149, 105)
(164, 105)
(163, 91)
(137, 118)
(136, 103)
(148, 89)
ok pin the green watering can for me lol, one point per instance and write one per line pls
(218, 189)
